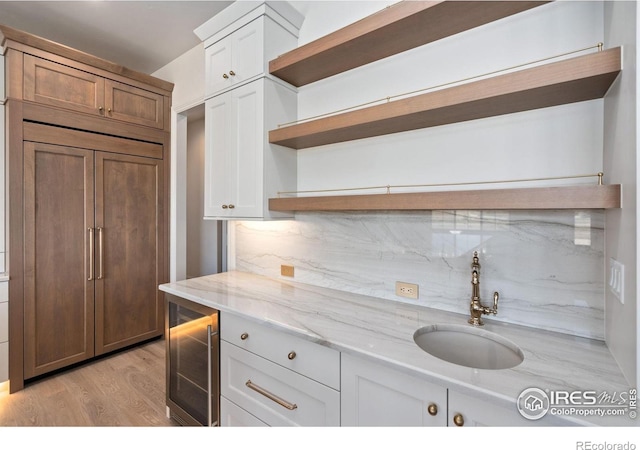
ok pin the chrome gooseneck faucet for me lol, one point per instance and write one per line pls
(476, 308)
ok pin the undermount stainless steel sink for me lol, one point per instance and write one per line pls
(468, 346)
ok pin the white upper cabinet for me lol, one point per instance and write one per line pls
(239, 51)
(234, 59)
(242, 169)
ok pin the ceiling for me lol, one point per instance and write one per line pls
(140, 35)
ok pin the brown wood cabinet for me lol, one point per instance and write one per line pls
(87, 166)
(54, 84)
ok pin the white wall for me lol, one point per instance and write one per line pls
(621, 166)
(187, 74)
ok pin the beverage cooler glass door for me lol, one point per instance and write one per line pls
(193, 385)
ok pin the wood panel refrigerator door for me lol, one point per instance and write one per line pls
(58, 292)
(129, 230)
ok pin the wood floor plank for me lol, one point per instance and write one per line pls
(126, 389)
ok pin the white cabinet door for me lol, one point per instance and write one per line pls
(218, 155)
(236, 58)
(217, 64)
(233, 156)
(376, 395)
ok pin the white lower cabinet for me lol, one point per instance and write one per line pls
(274, 378)
(376, 395)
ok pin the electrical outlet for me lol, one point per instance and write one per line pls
(616, 279)
(407, 290)
(286, 271)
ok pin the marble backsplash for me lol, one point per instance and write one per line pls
(548, 266)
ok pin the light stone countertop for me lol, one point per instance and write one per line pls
(382, 330)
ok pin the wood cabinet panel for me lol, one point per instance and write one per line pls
(58, 209)
(129, 222)
(134, 105)
(54, 84)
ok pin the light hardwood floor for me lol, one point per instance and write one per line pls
(125, 389)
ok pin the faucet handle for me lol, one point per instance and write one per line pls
(496, 296)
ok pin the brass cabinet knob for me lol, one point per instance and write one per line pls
(224, 206)
(231, 206)
(291, 355)
(244, 336)
(432, 409)
(458, 420)
(225, 76)
(109, 110)
(100, 108)
(232, 73)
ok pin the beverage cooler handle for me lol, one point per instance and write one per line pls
(210, 334)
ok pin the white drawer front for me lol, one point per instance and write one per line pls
(315, 403)
(312, 360)
(231, 415)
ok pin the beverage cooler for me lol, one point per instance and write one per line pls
(193, 362)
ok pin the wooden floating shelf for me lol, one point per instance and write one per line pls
(568, 81)
(565, 197)
(400, 27)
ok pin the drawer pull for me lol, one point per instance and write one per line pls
(270, 396)
(244, 336)
(291, 355)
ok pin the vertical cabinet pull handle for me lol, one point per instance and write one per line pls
(101, 252)
(91, 256)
